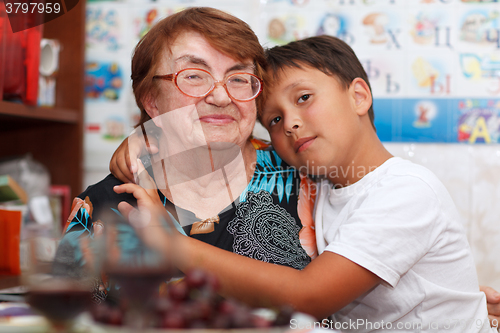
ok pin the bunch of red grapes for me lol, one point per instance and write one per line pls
(193, 302)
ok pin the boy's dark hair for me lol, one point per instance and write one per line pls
(328, 54)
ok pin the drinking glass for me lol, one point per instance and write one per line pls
(60, 299)
(135, 270)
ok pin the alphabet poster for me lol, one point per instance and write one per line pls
(433, 65)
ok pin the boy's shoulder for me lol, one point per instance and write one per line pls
(405, 176)
(397, 166)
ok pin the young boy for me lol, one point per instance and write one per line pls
(393, 254)
(390, 216)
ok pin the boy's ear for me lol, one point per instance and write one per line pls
(362, 96)
(149, 104)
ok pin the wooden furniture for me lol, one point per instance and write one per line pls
(54, 136)
(9, 281)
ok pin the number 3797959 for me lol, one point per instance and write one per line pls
(19, 7)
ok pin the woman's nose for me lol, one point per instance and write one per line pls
(219, 95)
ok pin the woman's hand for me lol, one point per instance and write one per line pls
(123, 164)
(493, 300)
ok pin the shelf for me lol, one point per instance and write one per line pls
(49, 114)
(54, 136)
(9, 281)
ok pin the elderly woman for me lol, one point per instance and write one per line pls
(196, 76)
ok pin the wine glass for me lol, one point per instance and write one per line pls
(136, 270)
(60, 299)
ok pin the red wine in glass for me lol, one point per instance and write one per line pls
(138, 283)
(138, 287)
(60, 303)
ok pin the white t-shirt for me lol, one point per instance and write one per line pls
(400, 223)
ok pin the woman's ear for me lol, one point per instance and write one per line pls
(149, 104)
(362, 96)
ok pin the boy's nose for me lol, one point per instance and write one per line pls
(292, 126)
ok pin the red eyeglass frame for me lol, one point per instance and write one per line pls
(173, 78)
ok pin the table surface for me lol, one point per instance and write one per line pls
(9, 281)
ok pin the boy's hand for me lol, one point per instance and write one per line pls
(493, 300)
(146, 219)
(123, 164)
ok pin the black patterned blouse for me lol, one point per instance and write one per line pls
(263, 222)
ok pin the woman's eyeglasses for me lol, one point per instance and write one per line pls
(196, 82)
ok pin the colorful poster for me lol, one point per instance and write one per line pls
(478, 121)
(106, 27)
(104, 81)
(433, 65)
